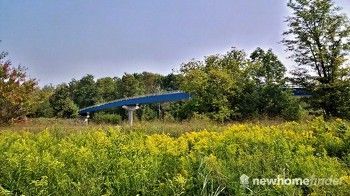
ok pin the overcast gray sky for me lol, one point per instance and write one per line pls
(61, 40)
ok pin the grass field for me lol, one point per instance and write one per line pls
(66, 157)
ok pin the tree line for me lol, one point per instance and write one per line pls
(224, 87)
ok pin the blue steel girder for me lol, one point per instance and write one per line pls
(300, 92)
(159, 98)
(145, 99)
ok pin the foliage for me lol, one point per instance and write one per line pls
(148, 112)
(107, 118)
(268, 101)
(212, 84)
(223, 87)
(84, 91)
(16, 91)
(130, 86)
(150, 82)
(267, 94)
(111, 161)
(231, 86)
(318, 38)
(62, 103)
(171, 82)
(107, 89)
(270, 69)
(41, 104)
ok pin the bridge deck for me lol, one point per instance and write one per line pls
(158, 98)
(300, 92)
(145, 99)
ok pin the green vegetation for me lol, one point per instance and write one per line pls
(198, 147)
(232, 86)
(224, 87)
(318, 38)
(107, 118)
(16, 90)
(117, 160)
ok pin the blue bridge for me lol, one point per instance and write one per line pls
(300, 92)
(131, 104)
(145, 99)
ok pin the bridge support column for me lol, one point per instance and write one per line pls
(87, 118)
(130, 110)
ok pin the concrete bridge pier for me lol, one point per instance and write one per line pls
(130, 110)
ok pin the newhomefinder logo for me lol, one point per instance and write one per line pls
(244, 180)
(312, 181)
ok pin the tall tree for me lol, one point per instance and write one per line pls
(62, 103)
(84, 91)
(150, 82)
(130, 85)
(41, 106)
(212, 84)
(264, 91)
(107, 89)
(16, 91)
(231, 86)
(319, 39)
(171, 82)
(270, 69)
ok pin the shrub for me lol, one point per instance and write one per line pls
(107, 118)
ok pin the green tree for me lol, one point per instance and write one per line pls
(212, 84)
(107, 88)
(130, 85)
(84, 91)
(264, 91)
(148, 112)
(16, 91)
(41, 106)
(231, 86)
(319, 39)
(62, 103)
(150, 82)
(171, 82)
(270, 69)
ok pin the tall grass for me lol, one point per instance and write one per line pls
(169, 159)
